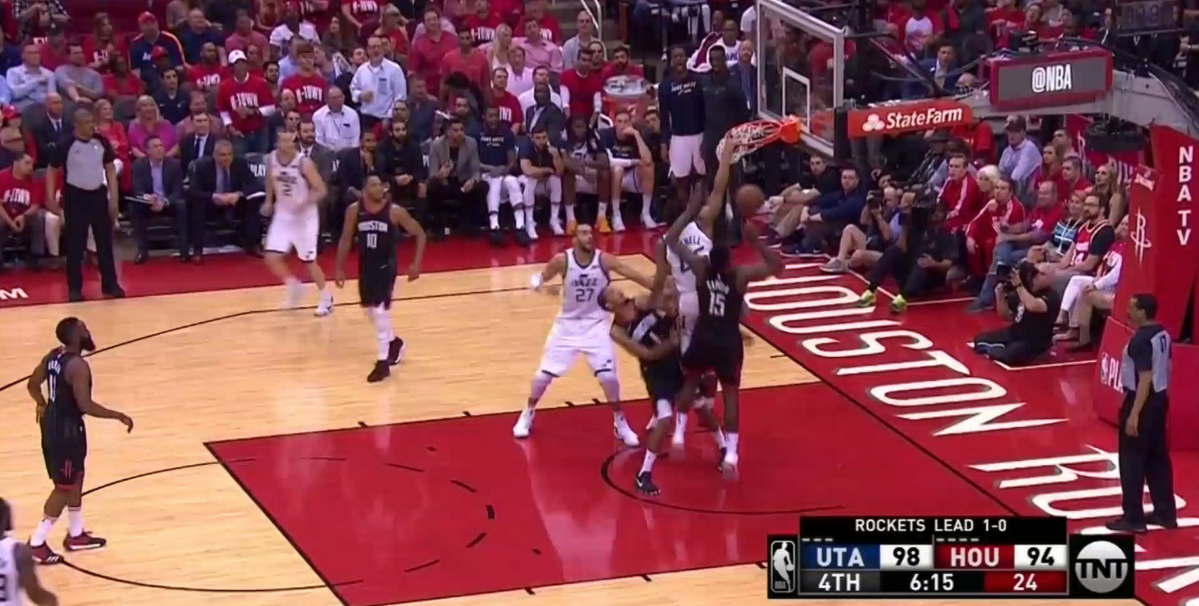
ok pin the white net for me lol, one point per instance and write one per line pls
(748, 138)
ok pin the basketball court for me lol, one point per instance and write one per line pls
(264, 469)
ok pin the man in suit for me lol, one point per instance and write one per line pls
(51, 129)
(940, 68)
(200, 143)
(227, 184)
(354, 165)
(157, 190)
(457, 193)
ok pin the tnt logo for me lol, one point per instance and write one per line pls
(1102, 566)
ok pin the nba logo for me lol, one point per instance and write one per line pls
(783, 556)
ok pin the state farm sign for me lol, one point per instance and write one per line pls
(908, 118)
(1050, 80)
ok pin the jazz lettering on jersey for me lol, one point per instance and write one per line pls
(586, 286)
(247, 100)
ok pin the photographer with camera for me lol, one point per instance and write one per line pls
(920, 257)
(861, 247)
(1026, 297)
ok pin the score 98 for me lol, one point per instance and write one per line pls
(906, 557)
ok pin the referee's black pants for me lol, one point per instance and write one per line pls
(85, 209)
(1146, 458)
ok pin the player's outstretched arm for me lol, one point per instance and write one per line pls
(348, 232)
(401, 217)
(720, 187)
(661, 273)
(554, 268)
(80, 376)
(620, 268)
(27, 576)
(769, 262)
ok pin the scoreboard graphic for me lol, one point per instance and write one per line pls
(1000, 557)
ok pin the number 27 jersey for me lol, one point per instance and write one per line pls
(699, 243)
(581, 290)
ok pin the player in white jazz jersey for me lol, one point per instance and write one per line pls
(582, 327)
(17, 573)
(293, 191)
(696, 236)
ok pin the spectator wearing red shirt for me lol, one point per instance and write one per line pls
(108, 126)
(102, 43)
(1013, 246)
(508, 104)
(620, 65)
(1072, 178)
(1050, 169)
(585, 85)
(316, 12)
(551, 31)
(24, 213)
(1002, 20)
(428, 51)
(960, 195)
(1001, 215)
(482, 23)
(120, 81)
(389, 27)
(245, 101)
(208, 73)
(467, 60)
(511, 12)
(358, 12)
(244, 36)
(979, 140)
(920, 28)
(308, 85)
(54, 50)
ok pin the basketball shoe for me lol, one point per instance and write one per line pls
(624, 433)
(325, 307)
(83, 542)
(524, 423)
(42, 554)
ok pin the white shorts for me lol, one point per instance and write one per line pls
(584, 183)
(689, 313)
(686, 156)
(565, 343)
(294, 232)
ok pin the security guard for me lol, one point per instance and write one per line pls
(1144, 452)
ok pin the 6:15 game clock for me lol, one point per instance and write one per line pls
(924, 582)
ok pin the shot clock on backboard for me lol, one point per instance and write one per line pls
(1003, 557)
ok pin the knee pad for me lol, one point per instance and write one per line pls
(663, 409)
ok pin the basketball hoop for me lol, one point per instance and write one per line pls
(752, 136)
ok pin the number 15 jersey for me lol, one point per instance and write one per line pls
(720, 305)
(581, 290)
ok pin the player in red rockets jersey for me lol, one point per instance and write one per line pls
(208, 73)
(1004, 214)
(308, 85)
(244, 102)
(482, 23)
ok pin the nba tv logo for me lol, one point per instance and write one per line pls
(782, 566)
(1102, 566)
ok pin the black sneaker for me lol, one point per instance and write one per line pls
(75, 296)
(522, 237)
(1156, 520)
(645, 485)
(382, 371)
(114, 292)
(495, 238)
(395, 351)
(1122, 525)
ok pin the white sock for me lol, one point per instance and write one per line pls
(616, 200)
(680, 423)
(75, 518)
(603, 210)
(43, 530)
(518, 215)
(646, 200)
(648, 464)
(721, 442)
(541, 382)
(570, 213)
(494, 219)
(383, 331)
(555, 210)
(731, 442)
(529, 214)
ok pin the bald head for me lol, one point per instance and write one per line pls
(54, 104)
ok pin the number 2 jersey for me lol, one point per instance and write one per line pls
(581, 288)
(290, 185)
(694, 239)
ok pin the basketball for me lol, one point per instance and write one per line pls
(749, 199)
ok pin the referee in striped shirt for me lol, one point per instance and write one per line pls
(1143, 445)
(89, 201)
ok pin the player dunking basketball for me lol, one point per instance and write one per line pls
(716, 344)
(582, 327)
(294, 189)
(696, 235)
(68, 380)
(375, 220)
(17, 572)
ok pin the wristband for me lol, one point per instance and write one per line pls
(535, 282)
